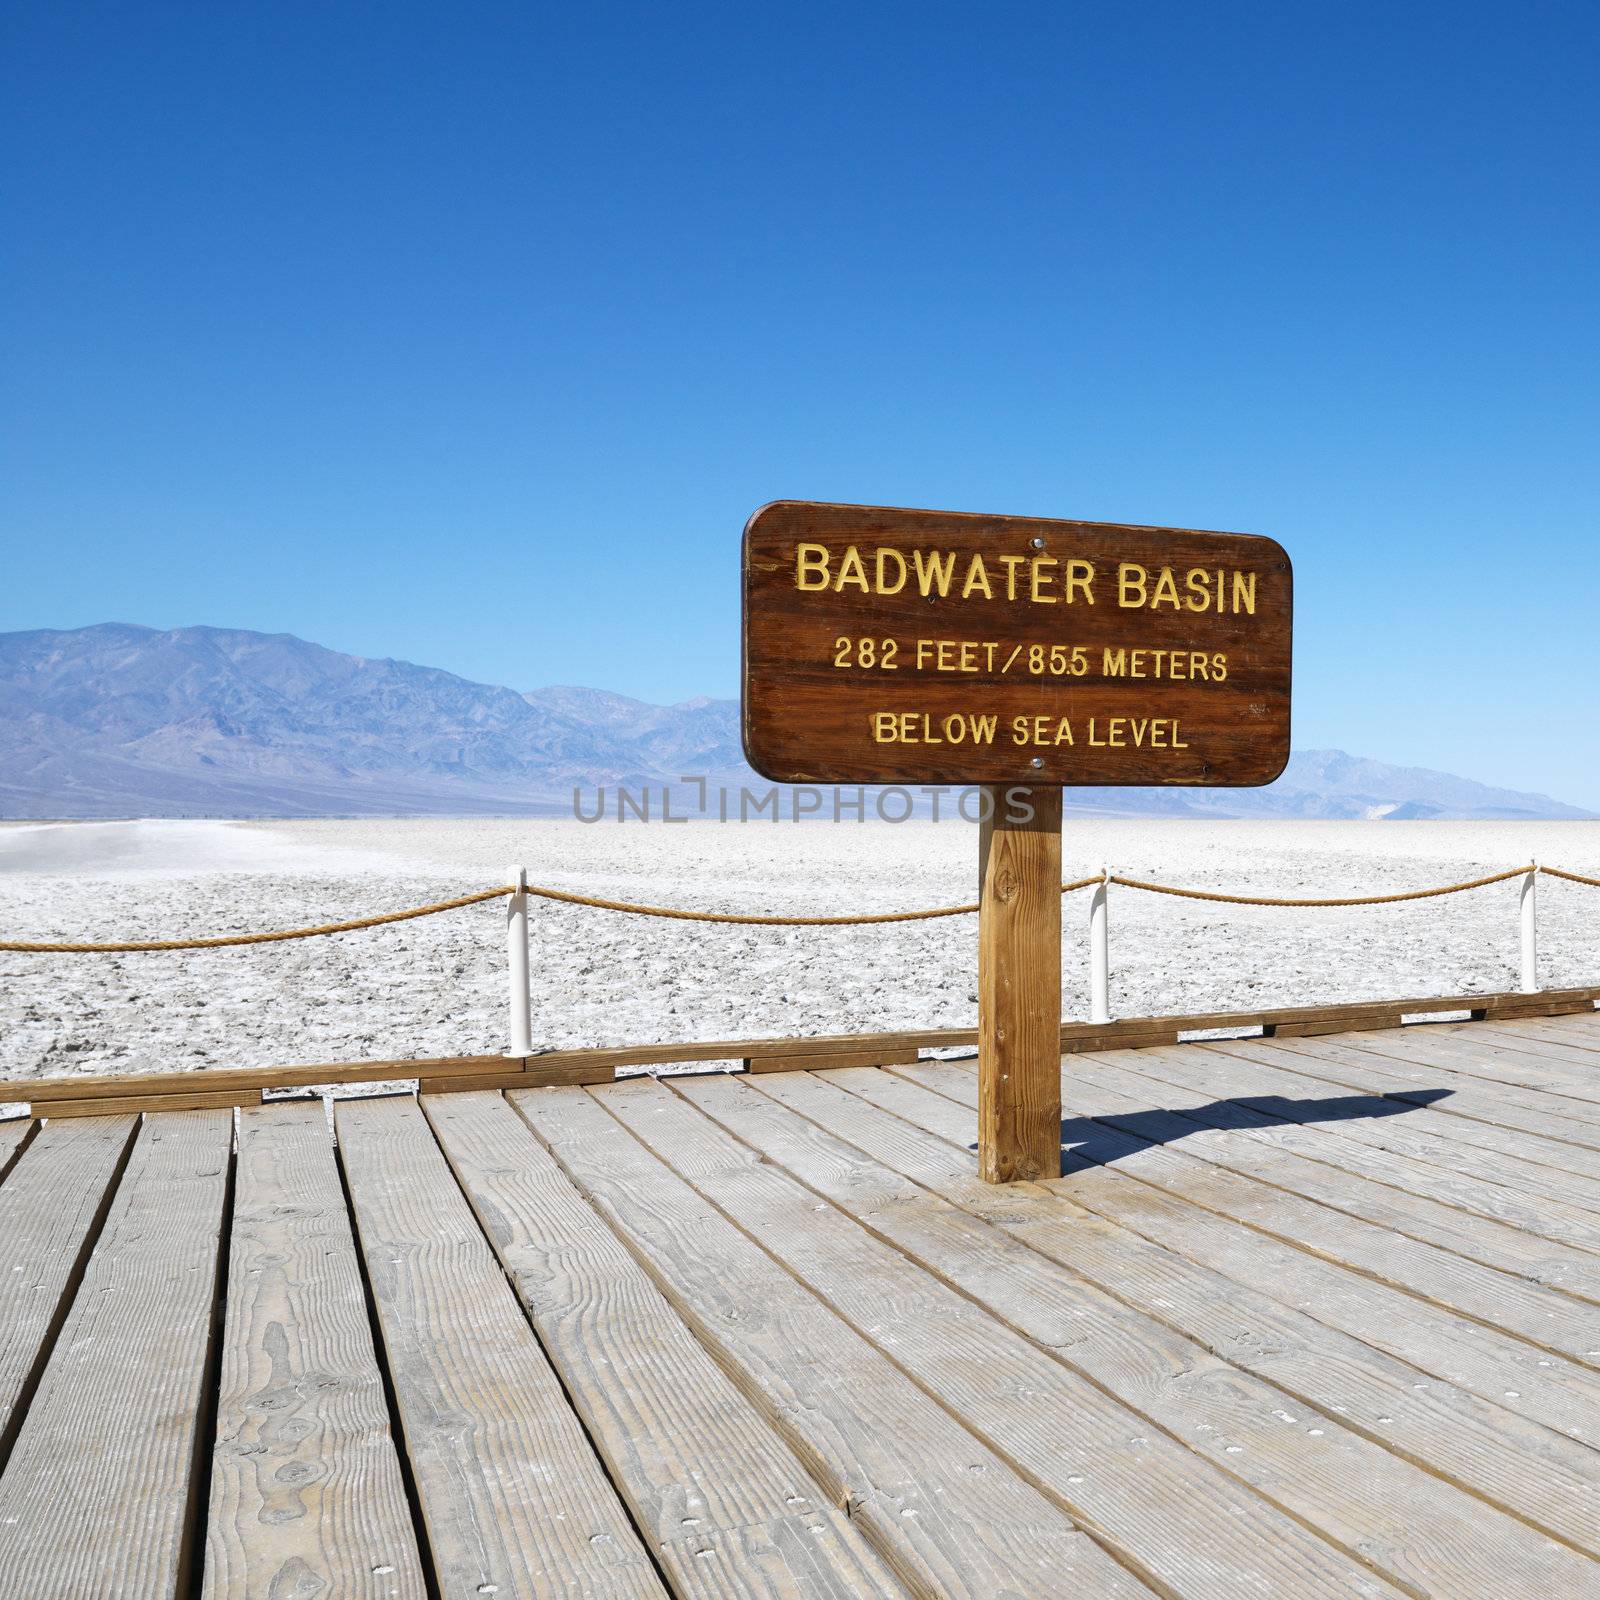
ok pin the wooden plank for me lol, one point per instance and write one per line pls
(1547, 1480)
(233, 1079)
(844, 1058)
(13, 1135)
(1436, 1120)
(96, 1497)
(1566, 1044)
(1419, 1531)
(1019, 987)
(1580, 1030)
(472, 1083)
(306, 1491)
(1496, 1156)
(1335, 1127)
(513, 1498)
(1468, 1099)
(132, 1105)
(51, 1209)
(1303, 1158)
(1133, 1484)
(1220, 1183)
(725, 1505)
(1442, 1067)
(1571, 1040)
(953, 1519)
(1501, 1367)
(1488, 1057)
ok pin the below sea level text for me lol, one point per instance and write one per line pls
(970, 727)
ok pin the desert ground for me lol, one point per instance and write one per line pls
(437, 986)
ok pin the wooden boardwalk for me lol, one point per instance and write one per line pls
(1307, 1316)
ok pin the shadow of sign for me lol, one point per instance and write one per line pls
(1103, 1140)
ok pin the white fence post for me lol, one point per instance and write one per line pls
(1099, 952)
(1530, 930)
(521, 1012)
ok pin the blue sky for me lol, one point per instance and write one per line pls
(471, 334)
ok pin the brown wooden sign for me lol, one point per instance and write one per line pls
(890, 646)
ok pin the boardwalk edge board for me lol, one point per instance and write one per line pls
(218, 1088)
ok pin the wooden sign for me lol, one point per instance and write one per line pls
(889, 646)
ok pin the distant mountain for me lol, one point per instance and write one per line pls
(118, 720)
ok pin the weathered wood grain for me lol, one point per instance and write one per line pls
(132, 1105)
(1575, 1034)
(1539, 1168)
(1508, 1370)
(726, 1506)
(823, 660)
(1524, 1148)
(1220, 1183)
(96, 1498)
(1019, 989)
(1547, 1480)
(1415, 1529)
(1468, 1099)
(51, 1208)
(1284, 1143)
(514, 1500)
(13, 1135)
(1494, 1058)
(1118, 1475)
(306, 1492)
(1566, 1119)
(953, 1519)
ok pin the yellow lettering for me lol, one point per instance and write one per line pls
(851, 570)
(977, 577)
(811, 561)
(934, 570)
(884, 587)
(883, 727)
(1080, 576)
(1199, 590)
(1040, 580)
(1011, 563)
(1130, 584)
(1166, 591)
(1113, 663)
(1244, 592)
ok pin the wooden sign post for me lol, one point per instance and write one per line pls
(1021, 655)
(1019, 985)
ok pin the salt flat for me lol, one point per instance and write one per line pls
(436, 986)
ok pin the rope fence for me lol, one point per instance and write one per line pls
(765, 920)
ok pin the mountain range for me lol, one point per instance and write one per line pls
(117, 720)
